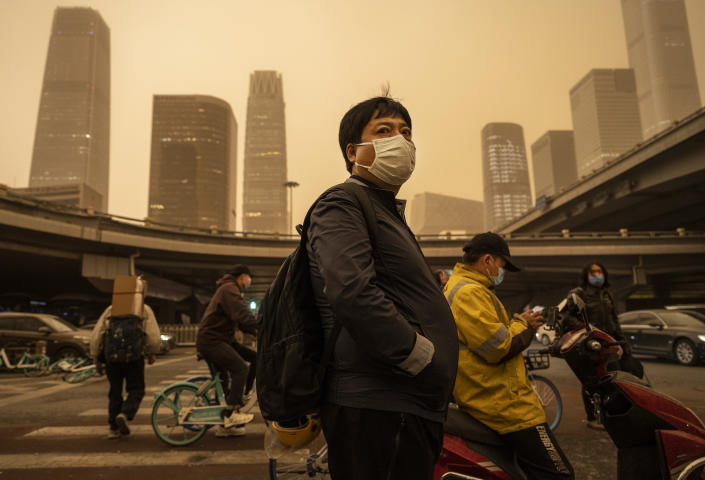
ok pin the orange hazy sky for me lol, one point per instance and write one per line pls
(455, 64)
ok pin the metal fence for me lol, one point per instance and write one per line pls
(183, 334)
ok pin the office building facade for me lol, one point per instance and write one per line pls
(661, 55)
(435, 214)
(72, 140)
(507, 193)
(265, 171)
(553, 159)
(193, 170)
(606, 121)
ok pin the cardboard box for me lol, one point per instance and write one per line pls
(128, 295)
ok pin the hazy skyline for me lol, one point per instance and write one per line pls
(456, 64)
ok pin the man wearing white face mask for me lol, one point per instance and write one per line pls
(216, 342)
(394, 358)
(492, 383)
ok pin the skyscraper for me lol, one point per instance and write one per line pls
(658, 44)
(265, 202)
(192, 179)
(553, 158)
(433, 213)
(72, 141)
(606, 119)
(505, 171)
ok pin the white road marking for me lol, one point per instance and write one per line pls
(46, 391)
(133, 459)
(102, 431)
(144, 410)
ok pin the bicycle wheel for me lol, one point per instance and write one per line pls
(40, 365)
(80, 375)
(550, 399)
(309, 462)
(165, 415)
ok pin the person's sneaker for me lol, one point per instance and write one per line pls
(249, 400)
(121, 421)
(235, 431)
(114, 434)
(237, 418)
(595, 425)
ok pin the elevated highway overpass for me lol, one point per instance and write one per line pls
(48, 249)
(657, 185)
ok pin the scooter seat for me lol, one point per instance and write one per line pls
(466, 427)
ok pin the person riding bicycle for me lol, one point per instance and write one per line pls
(492, 384)
(216, 342)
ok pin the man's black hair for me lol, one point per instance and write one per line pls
(355, 120)
(586, 273)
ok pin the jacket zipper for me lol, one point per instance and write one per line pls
(397, 440)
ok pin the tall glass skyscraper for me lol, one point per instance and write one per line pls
(606, 121)
(507, 192)
(265, 202)
(193, 174)
(553, 158)
(660, 52)
(72, 141)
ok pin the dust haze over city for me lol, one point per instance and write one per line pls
(456, 65)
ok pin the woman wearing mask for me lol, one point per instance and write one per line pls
(602, 314)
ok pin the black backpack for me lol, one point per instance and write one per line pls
(291, 358)
(123, 340)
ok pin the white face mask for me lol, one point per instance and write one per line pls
(395, 159)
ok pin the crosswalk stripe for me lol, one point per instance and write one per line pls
(133, 459)
(145, 410)
(102, 431)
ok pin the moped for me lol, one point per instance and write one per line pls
(656, 436)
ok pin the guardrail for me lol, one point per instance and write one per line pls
(183, 334)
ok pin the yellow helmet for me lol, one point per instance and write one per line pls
(300, 434)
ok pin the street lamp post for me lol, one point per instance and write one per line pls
(291, 185)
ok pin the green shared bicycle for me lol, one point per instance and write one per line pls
(32, 364)
(183, 411)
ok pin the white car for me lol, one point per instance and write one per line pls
(545, 336)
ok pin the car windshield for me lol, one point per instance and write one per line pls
(57, 324)
(684, 318)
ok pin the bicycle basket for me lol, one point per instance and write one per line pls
(537, 360)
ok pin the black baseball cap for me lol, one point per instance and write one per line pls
(238, 270)
(491, 243)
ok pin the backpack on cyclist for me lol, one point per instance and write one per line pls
(124, 339)
(291, 356)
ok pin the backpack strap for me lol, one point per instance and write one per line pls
(368, 213)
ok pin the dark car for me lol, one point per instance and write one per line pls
(677, 334)
(18, 329)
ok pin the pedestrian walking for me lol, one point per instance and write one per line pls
(140, 338)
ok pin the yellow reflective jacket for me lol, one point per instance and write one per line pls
(495, 392)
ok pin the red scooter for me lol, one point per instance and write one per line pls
(656, 436)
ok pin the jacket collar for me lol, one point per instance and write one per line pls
(399, 204)
(465, 271)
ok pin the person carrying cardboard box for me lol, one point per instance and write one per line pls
(125, 333)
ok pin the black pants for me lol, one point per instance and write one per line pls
(368, 444)
(538, 454)
(249, 356)
(232, 366)
(132, 374)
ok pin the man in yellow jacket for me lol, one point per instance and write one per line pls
(492, 384)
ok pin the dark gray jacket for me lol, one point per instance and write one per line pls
(398, 348)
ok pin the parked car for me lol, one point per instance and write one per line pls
(677, 334)
(19, 329)
(545, 336)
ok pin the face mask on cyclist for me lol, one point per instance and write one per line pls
(497, 279)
